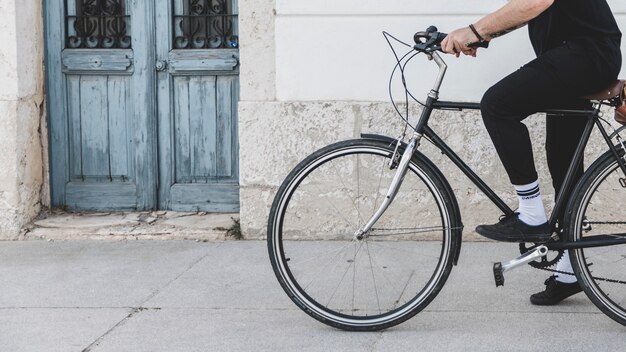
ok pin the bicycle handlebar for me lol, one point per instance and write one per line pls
(433, 41)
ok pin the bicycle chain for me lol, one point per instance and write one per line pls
(606, 222)
(613, 281)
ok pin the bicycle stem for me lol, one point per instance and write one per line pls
(434, 93)
(403, 166)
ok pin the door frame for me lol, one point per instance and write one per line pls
(147, 123)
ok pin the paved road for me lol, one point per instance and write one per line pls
(222, 296)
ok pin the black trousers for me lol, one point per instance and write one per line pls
(554, 80)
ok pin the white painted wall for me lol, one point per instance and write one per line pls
(334, 50)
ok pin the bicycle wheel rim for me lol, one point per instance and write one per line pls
(595, 267)
(302, 296)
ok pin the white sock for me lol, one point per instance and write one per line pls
(565, 266)
(531, 209)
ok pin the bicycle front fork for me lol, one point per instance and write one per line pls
(401, 171)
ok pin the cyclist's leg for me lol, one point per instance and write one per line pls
(560, 74)
(539, 85)
(504, 106)
(562, 137)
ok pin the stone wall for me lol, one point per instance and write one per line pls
(21, 110)
(276, 136)
(311, 76)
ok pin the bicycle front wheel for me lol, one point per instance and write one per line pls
(388, 275)
(597, 212)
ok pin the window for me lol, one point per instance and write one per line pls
(96, 24)
(205, 24)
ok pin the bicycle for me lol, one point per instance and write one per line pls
(363, 234)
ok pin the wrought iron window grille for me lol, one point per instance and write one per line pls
(206, 24)
(97, 24)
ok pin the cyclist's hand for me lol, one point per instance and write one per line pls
(471, 52)
(456, 42)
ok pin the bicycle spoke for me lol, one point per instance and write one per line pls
(354, 275)
(373, 276)
(300, 262)
(336, 209)
(344, 275)
(346, 188)
(406, 285)
(377, 264)
(396, 249)
(358, 189)
(327, 264)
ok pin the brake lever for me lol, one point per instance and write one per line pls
(479, 45)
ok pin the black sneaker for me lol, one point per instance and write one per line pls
(511, 229)
(554, 293)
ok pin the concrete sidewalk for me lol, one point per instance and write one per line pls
(223, 296)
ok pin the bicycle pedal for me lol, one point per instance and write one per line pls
(499, 268)
(498, 274)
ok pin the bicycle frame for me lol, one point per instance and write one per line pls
(423, 130)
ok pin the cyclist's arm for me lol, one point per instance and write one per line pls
(515, 14)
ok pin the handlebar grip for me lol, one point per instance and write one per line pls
(472, 45)
(479, 45)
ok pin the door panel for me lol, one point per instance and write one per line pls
(203, 123)
(197, 93)
(98, 110)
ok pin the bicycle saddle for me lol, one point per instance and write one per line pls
(613, 90)
(616, 92)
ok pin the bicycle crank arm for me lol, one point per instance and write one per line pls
(500, 268)
(395, 184)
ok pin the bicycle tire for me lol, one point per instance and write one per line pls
(594, 210)
(325, 231)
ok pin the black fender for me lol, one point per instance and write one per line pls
(457, 235)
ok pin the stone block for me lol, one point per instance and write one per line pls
(8, 51)
(257, 55)
(8, 136)
(21, 176)
(274, 137)
(255, 208)
(30, 48)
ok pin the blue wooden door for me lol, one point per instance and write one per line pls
(198, 85)
(101, 104)
(142, 104)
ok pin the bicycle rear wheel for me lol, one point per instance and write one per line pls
(597, 211)
(385, 277)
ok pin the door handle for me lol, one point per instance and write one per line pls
(161, 65)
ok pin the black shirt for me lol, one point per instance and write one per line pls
(587, 21)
